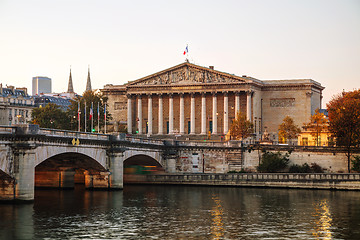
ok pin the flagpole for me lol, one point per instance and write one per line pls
(79, 116)
(85, 116)
(98, 118)
(105, 117)
(92, 116)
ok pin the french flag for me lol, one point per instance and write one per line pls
(91, 113)
(186, 50)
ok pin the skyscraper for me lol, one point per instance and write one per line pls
(41, 85)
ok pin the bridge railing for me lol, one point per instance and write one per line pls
(144, 140)
(7, 129)
(67, 133)
(208, 144)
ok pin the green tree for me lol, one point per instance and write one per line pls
(88, 98)
(318, 123)
(356, 164)
(241, 128)
(50, 116)
(344, 121)
(273, 162)
(288, 130)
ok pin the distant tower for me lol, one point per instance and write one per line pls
(88, 83)
(41, 85)
(70, 84)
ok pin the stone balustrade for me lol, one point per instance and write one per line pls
(343, 181)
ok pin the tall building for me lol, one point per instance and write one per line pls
(192, 100)
(41, 85)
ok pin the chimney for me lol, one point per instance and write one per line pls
(211, 67)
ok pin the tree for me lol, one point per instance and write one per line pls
(318, 123)
(241, 127)
(344, 121)
(88, 98)
(273, 162)
(50, 116)
(288, 130)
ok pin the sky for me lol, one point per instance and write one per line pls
(123, 41)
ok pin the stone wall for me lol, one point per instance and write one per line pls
(329, 161)
(224, 159)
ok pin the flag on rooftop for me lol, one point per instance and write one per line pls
(186, 50)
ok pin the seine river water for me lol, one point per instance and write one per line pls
(184, 212)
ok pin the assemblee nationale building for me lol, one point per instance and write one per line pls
(193, 101)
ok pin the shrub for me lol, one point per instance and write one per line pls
(315, 168)
(295, 168)
(356, 164)
(273, 162)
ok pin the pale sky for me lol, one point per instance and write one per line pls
(126, 40)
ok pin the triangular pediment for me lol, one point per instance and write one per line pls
(187, 74)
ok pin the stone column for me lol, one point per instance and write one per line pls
(237, 103)
(171, 114)
(150, 118)
(99, 180)
(192, 114)
(139, 114)
(203, 113)
(129, 112)
(214, 114)
(248, 105)
(182, 117)
(161, 118)
(226, 112)
(116, 170)
(24, 174)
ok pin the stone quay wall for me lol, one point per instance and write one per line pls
(328, 181)
(217, 157)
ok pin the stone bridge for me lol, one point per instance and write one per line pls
(33, 157)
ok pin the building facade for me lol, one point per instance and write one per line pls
(191, 100)
(41, 85)
(15, 105)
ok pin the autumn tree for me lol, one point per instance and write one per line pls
(241, 128)
(50, 116)
(288, 130)
(318, 123)
(344, 121)
(89, 98)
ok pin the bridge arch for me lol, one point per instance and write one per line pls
(142, 159)
(44, 153)
(65, 169)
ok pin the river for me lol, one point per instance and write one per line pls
(184, 212)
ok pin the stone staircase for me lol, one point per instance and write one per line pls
(235, 160)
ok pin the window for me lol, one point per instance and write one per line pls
(305, 142)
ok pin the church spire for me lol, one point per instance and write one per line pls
(70, 84)
(88, 83)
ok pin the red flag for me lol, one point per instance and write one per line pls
(91, 113)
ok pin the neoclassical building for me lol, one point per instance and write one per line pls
(192, 100)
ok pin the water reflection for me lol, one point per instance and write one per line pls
(181, 212)
(217, 229)
(323, 220)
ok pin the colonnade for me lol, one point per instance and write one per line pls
(225, 127)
